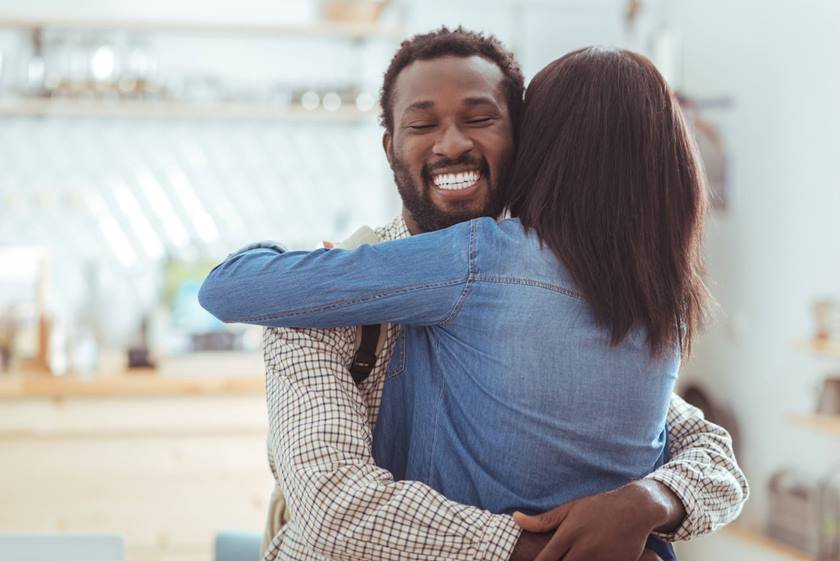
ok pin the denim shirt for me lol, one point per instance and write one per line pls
(503, 392)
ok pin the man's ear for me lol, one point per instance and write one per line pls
(388, 146)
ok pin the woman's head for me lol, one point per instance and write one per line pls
(607, 175)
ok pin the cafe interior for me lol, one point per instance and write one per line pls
(143, 142)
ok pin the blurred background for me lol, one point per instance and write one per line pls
(140, 143)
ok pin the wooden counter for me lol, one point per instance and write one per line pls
(167, 458)
(196, 374)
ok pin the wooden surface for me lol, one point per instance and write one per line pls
(827, 349)
(196, 374)
(762, 542)
(167, 471)
(829, 424)
(737, 543)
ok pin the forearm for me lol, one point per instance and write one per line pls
(417, 281)
(702, 473)
(529, 545)
(660, 503)
(357, 513)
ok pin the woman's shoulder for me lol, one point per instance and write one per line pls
(507, 233)
(506, 249)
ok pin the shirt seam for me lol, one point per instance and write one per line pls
(472, 266)
(504, 279)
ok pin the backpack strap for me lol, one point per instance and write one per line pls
(365, 358)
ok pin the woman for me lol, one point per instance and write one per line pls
(547, 343)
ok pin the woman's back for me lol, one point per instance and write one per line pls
(516, 400)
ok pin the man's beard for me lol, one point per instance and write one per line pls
(418, 201)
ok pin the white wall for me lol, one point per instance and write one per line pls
(777, 248)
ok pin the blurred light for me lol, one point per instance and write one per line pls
(310, 101)
(22, 263)
(114, 234)
(141, 226)
(332, 101)
(35, 71)
(202, 221)
(175, 230)
(364, 101)
(102, 63)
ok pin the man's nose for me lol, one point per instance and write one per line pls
(452, 143)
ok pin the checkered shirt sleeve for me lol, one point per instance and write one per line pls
(344, 507)
(702, 472)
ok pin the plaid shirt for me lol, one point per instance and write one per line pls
(343, 506)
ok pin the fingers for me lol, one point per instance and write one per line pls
(649, 555)
(557, 548)
(544, 522)
(533, 524)
(328, 245)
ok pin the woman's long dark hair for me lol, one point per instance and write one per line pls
(607, 175)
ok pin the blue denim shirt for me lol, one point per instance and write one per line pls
(502, 392)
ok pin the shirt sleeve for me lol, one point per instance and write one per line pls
(702, 472)
(420, 280)
(344, 507)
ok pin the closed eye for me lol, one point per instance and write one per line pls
(480, 121)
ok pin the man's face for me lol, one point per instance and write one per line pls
(451, 142)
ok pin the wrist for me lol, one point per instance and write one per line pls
(660, 509)
(529, 545)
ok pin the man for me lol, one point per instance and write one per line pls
(450, 101)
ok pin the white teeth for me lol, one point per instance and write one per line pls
(456, 181)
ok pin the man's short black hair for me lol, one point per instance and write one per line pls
(459, 42)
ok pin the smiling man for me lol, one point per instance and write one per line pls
(452, 177)
(450, 102)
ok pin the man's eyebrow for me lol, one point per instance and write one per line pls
(419, 106)
(481, 100)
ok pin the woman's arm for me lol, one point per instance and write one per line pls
(418, 280)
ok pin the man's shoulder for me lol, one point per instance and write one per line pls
(393, 230)
(279, 341)
(283, 340)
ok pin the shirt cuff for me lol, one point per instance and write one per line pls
(683, 489)
(499, 539)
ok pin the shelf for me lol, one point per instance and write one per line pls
(823, 423)
(758, 540)
(40, 107)
(338, 30)
(827, 349)
(207, 373)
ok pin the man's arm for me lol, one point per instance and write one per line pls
(702, 472)
(698, 491)
(343, 506)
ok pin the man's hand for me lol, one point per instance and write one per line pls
(612, 526)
